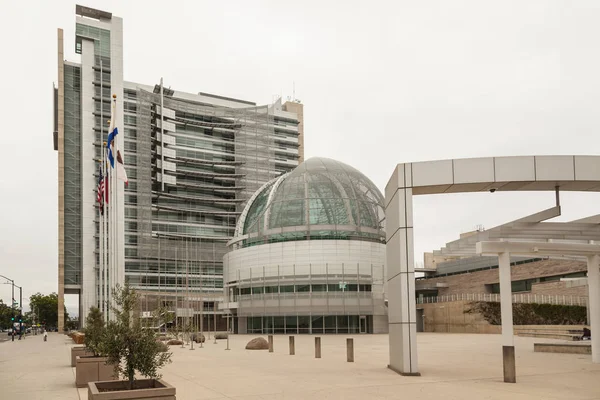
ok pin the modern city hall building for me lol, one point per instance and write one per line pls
(193, 161)
(308, 254)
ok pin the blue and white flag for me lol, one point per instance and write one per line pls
(111, 139)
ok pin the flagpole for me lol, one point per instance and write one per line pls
(113, 220)
(101, 226)
(105, 236)
(109, 227)
(119, 268)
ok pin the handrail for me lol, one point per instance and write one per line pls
(516, 297)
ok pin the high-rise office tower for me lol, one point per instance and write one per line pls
(193, 161)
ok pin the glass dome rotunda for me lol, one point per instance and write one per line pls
(320, 199)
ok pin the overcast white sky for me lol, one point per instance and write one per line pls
(382, 82)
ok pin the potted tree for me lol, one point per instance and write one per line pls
(93, 367)
(131, 348)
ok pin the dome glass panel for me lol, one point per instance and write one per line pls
(320, 199)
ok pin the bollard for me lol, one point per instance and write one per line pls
(350, 349)
(508, 363)
(317, 347)
(270, 343)
(292, 346)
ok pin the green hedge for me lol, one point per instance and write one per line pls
(531, 314)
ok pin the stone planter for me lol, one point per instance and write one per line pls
(92, 369)
(78, 337)
(78, 351)
(150, 389)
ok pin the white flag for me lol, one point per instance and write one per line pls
(121, 174)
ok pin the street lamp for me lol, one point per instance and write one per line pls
(13, 302)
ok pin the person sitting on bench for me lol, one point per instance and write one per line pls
(587, 334)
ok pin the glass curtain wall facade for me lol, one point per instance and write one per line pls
(72, 175)
(314, 298)
(193, 160)
(191, 167)
(307, 324)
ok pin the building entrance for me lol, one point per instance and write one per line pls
(363, 324)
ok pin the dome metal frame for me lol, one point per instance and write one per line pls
(320, 199)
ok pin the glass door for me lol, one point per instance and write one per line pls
(363, 324)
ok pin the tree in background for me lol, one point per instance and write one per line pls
(5, 315)
(72, 323)
(46, 308)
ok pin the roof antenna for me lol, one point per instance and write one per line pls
(294, 91)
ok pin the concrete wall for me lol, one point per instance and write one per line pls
(450, 317)
(558, 288)
(303, 254)
(242, 325)
(380, 324)
(475, 282)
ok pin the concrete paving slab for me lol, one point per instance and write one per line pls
(453, 366)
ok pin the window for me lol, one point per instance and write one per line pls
(342, 324)
(330, 324)
(317, 323)
(130, 120)
(130, 199)
(130, 107)
(303, 288)
(319, 288)
(286, 289)
(303, 324)
(130, 252)
(278, 324)
(291, 324)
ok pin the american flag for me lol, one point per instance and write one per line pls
(100, 196)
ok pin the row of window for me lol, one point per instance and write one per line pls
(314, 235)
(306, 288)
(153, 267)
(526, 284)
(180, 282)
(298, 324)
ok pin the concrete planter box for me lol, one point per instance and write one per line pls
(149, 389)
(78, 337)
(92, 369)
(78, 351)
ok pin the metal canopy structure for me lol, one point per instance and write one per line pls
(530, 236)
(529, 229)
(522, 173)
(504, 249)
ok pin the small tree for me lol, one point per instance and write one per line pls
(128, 345)
(95, 331)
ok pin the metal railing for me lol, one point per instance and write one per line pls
(306, 295)
(516, 297)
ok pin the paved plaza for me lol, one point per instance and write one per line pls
(453, 366)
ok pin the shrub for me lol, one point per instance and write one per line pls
(94, 331)
(531, 314)
(198, 337)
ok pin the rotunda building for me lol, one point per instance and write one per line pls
(308, 254)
